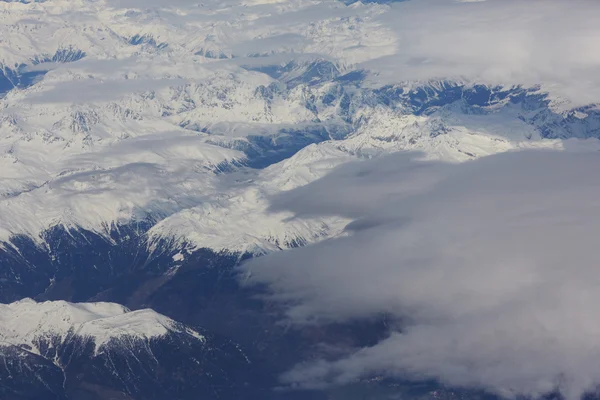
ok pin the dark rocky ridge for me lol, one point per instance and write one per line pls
(204, 293)
(173, 366)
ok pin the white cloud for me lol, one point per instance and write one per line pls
(490, 268)
(549, 42)
(91, 91)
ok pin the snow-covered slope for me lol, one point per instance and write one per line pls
(191, 115)
(37, 326)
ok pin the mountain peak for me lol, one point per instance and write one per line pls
(29, 323)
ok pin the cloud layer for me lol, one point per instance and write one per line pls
(549, 42)
(490, 268)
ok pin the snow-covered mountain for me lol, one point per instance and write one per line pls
(151, 131)
(58, 350)
(141, 142)
(40, 327)
(116, 112)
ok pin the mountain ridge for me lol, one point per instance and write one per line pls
(90, 350)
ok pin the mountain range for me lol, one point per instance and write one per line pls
(140, 145)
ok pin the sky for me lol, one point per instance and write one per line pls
(489, 269)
